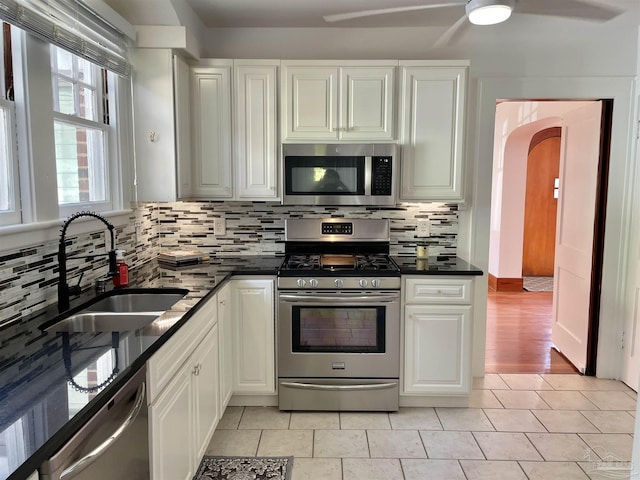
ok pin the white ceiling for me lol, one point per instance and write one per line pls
(309, 13)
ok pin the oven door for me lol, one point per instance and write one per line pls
(339, 334)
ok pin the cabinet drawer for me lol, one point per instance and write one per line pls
(164, 363)
(438, 290)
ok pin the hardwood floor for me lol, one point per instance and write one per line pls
(519, 334)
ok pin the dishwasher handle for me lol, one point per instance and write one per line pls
(78, 466)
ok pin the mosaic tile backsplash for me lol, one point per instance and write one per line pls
(28, 276)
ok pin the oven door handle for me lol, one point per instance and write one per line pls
(343, 388)
(341, 298)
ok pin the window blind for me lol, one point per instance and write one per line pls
(71, 25)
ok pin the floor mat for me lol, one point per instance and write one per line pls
(537, 284)
(245, 468)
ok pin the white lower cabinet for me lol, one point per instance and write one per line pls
(171, 429)
(437, 336)
(184, 409)
(253, 336)
(225, 333)
(206, 391)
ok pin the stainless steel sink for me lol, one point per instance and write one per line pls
(104, 322)
(120, 310)
(135, 302)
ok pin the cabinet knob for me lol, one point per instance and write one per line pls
(196, 369)
(223, 302)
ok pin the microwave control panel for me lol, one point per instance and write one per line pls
(381, 176)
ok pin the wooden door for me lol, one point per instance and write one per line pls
(575, 232)
(543, 166)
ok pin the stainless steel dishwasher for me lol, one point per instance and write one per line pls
(113, 444)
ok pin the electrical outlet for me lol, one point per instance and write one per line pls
(423, 228)
(219, 227)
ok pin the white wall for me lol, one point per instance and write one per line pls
(526, 45)
(528, 57)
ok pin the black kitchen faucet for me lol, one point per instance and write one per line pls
(64, 290)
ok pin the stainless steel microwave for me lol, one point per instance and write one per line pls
(345, 174)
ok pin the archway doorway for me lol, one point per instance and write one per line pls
(517, 125)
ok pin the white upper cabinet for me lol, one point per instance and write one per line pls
(432, 121)
(333, 102)
(366, 103)
(255, 133)
(239, 160)
(154, 123)
(211, 114)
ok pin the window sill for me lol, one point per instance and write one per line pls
(27, 235)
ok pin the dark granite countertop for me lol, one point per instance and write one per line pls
(37, 393)
(435, 266)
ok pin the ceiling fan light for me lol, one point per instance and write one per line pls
(488, 12)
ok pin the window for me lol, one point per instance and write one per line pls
(80, 128)
(9, 187)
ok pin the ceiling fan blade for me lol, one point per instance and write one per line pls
(340, 17)
(454, 30)
(568, 8)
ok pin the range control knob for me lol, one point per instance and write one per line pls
(313, 283)
(363, 282)
(301, 282)
(338, 282)
(375, 282)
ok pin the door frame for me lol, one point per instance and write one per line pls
(474, 223)
(599, 226)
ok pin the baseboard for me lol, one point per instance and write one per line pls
(254, 401)
(434, 401)
(505, 284)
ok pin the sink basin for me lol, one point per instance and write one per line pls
(135, 302)
(104, 322)
(119, 310)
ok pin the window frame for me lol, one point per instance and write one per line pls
(13, 215)
(41, 214)
(76, 120)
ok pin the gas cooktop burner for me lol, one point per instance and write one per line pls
(339, 262)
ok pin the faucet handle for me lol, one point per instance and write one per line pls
(76, 289)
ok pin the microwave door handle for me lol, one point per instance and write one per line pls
(78, 466)
(339, 299)
(368, 162)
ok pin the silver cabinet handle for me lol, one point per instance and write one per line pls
(314, 386)
(77, 467)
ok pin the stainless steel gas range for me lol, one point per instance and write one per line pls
(338, 324)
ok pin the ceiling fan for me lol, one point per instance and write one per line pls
(489, 12)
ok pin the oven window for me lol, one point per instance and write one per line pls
(350, 329)
(324, 175)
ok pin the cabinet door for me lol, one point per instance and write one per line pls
(366, 103)
(211, 102)
(171, 429)
(432, 132)
(256, 149)
(437, 344)
(182, 106)
(153, 102)
(205, 376)
(225, 334)
(254, 342)
(310, 103)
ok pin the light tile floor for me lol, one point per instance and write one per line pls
(536, 427)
